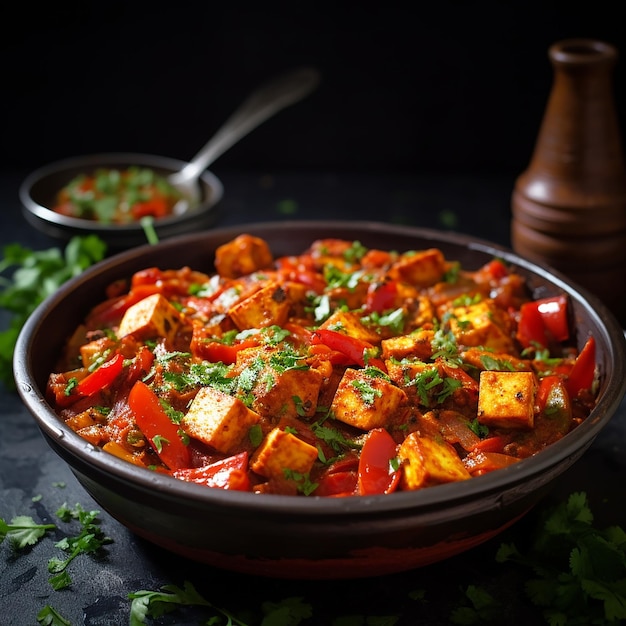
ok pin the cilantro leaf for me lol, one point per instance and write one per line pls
(32, 277)
(23, 531)
(50, 617)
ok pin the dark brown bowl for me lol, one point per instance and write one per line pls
(298, 537)
(39, 189)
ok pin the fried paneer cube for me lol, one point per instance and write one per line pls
(421, 269)
(482, 324)
(281, 450)
(243, 255)
(365, 401)
(349, 324)
(417, 344)
(427, 462)
(267, 306)
(218, 420)
(151, 317)
(506, 399)
(280, 384)
(92, 351)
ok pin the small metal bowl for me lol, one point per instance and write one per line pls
(38, 192)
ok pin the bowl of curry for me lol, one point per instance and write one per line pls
(320, 400)
(112, 195)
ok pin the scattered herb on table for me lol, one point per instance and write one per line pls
(48, 616)
(23, 531)
(33, 276)
(579, 572)
(579, 576)
(90, 540)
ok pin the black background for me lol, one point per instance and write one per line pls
(449, 86)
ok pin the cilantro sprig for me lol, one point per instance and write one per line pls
(27, 277)
(23, 531)
(577, 568)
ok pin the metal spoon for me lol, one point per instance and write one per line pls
(260, 105)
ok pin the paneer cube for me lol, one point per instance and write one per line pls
(243, 255)
(427, 462)
(266, 307)
(278, 389)
(365, 401)
(90, 352)
(287, 394)
(349, 324)
(421, 269)
(482, 324)
(506, 399)
(404, 373)
(151, 317)
(219, 420)
(418, 344)
(280, 451)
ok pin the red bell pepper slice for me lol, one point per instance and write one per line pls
(101, 378)
(339, 479)
(337, 484)
(111, 312)
(355, 349)
(543, 321)
(543, 391)
(381, 296)
(582, 374)
(215, 351)
(163, 435)
(229, 473)
(375, 472)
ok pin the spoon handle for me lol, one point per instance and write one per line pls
(260, 105)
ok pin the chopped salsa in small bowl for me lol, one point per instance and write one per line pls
(118, 196)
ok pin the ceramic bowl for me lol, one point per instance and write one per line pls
(298, 537)
(39, 189)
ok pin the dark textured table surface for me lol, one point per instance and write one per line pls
(35, 482)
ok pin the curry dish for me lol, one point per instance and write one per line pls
(342, 371)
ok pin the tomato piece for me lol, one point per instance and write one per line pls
(582, 374)
(355, 349)
(101, 378)
(163, 435)
(375, 472)
(381, 296)
(156, 207)
(229, 473)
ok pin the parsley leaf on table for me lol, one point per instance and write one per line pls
(27, 277)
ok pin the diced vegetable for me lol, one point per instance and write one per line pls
(163, 434)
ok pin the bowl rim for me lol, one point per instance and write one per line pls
(517, 476)
(104, 159)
